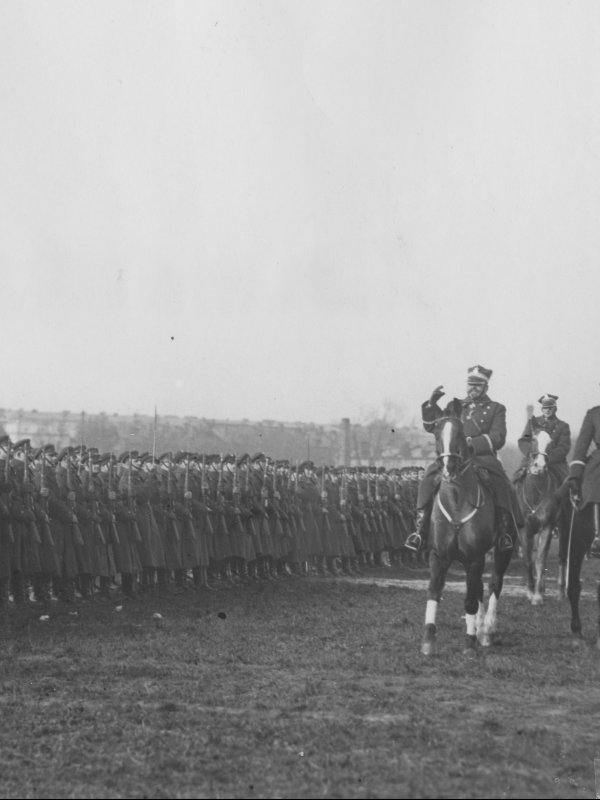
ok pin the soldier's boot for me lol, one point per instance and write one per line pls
(505, 531)
(85, 586)
(207, 580)
(243, 571)
(105, 587)
(197, 578)
(332, 566)
(18, 588)
(179, 581)
(4, 592)
(127, 585)
(42, 589)
(416, 540)
(68, 590)
(356, 566)
(284, 568)
(162, 580)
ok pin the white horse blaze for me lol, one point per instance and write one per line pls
(538, 464)
(446, 439)
(431, 612)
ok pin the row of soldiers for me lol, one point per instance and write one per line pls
(80, 523)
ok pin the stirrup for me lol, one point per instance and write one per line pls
(413, 542)
(595, 548)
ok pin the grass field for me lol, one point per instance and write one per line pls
(303, 687)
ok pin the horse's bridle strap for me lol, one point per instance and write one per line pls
(469, 516)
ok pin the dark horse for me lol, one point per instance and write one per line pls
(543, 511)
(463, 529)
(583, 525)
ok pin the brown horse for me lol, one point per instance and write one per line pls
(542, 510)
(462, 528)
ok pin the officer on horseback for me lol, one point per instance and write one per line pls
(560, 435)
(484, 425)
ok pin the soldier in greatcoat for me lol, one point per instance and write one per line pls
(584, 472)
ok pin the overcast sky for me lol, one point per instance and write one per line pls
(298, 210)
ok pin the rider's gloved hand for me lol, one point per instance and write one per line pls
(574, 485)
(436, 394)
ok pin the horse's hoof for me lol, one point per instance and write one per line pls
(485, 640)
(577, 641)
(470, 645)
(427, 648)
(537, 600)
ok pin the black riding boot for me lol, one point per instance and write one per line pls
(505, 531)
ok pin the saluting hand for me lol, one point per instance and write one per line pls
(436, 394)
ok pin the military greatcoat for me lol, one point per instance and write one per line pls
(584, 466)
(484, 425)
(558, 449)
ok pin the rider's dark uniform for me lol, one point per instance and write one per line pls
(559, 446)
(584, 470)
(484, 425)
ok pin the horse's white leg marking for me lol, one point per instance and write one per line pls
(431, 612)
(490, 621)
(428, 644)
(471, 620)
(480, 616)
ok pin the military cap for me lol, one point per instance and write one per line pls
(548, 400)
(125, 456)
(243, 459)
(306, 465)
(166, 456)
(258, 457)
(5, 440)
(229, 459)
(21, 444)
(66, 451)
(478, 374)
(104, 458)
